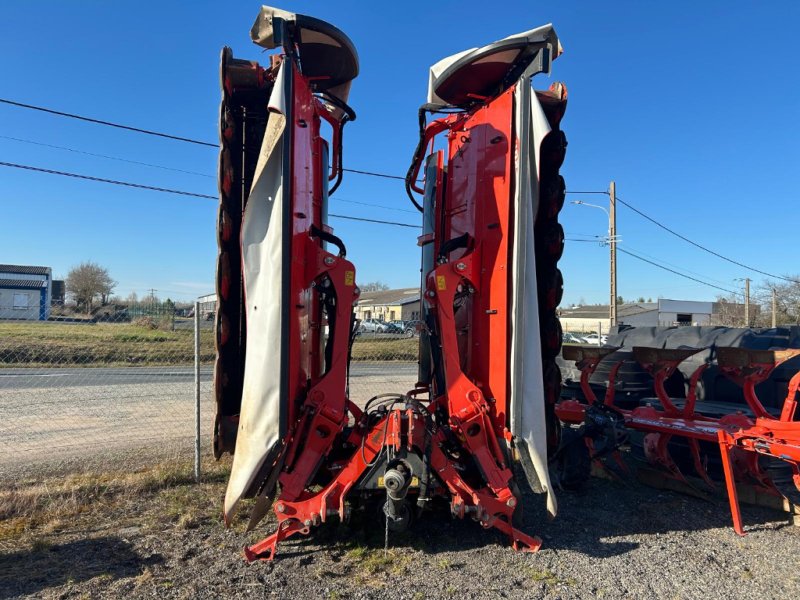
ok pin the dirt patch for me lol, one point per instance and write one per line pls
(156, 534)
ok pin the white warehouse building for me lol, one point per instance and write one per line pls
(664, 313)
(25, 292)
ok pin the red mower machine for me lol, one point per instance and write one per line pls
(485, 416)
(491, 239)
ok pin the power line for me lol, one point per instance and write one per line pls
(103, 180)
(395, 223)
(374, 174)
(136, 162)
(126, 160)
(160, 134)
(383, 206)
(188, 140)
(107, 123)
(701, 247)
(172, 191)
(673, 265)
(655, 264)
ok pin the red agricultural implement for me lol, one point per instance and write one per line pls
(302, 446)
(754, 446)
(484, 416)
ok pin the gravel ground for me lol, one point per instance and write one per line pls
(609, 541)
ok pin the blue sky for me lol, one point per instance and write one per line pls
(693, 108)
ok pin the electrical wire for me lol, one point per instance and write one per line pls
(179, 138)
(174, 191)
(356, 171)
(104, 180)
(674, 266)
(160, 134)
(126, 160)
(144, 164)
(701, 247)
(395, 223)
(655, 264)
(383, 206)
(107, 123)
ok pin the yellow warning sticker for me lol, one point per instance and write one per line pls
(349, 277)
(441, 283)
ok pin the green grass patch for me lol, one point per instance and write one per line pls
(102, 344)
(48, 344)
(386, 349)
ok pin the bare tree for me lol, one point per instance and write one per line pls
(374, 286)
(787, 300)
(727, 312)
(86, 282)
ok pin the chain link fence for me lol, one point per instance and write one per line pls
(116, 383)
(117, 386)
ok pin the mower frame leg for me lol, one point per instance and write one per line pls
(725, 448)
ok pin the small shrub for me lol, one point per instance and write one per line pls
(146, 322)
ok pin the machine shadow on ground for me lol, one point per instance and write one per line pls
(618, 510)
(45, 566)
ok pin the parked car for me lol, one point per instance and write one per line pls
(372, 325)
(570, 338)
(595, 339)
(412, 328)
(396, 327)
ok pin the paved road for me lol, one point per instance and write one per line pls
(52, 415)
(109, 376)
(78, 377)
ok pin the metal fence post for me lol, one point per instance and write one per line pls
(197, 391)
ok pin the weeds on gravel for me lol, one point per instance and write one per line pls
(371, 565)
(444, 563)
(549, 578)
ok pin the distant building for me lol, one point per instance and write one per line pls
(59, 294)
(208, 305)
(25, 292)
(389, 305)
(644, 314)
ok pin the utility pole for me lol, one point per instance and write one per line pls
(611, 213)
(774, 309)
(747, 301)
(612, 243)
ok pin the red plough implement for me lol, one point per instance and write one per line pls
(285, 326)
(759, 447)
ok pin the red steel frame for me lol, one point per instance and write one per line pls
(741, 439)
(318, 417)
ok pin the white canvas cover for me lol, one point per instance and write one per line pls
(258, 435)
(263, 34)
(527, 404)
(540, 35)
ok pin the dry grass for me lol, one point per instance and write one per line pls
(31, 512)
(98, 345)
